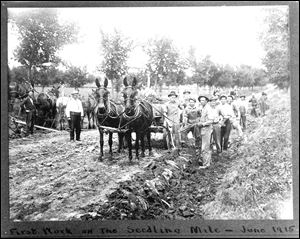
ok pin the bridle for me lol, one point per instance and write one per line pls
(109, 112)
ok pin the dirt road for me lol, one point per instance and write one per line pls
(54, 179)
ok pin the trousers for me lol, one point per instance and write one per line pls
(30, 119)
(205, 145)
(217, 136)
(75, 125)
(225, 132)
(243, 121)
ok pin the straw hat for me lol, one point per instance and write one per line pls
(172, 93)
(204, 96)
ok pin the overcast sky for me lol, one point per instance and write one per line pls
(228, 34)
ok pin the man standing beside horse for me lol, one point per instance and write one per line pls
(172, 122)
(74, 112)
(30, 109)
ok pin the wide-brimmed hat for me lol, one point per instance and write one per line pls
(186, 92)
(231, 96)
(213, 97)
(75, 92)
(223, 96)
(172, 93)
(193, 99)
(206, 97)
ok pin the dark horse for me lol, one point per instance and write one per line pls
(17, 92)
(107, 115)
(137, 117)
(46, 110)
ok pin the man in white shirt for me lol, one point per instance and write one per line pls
(172, 111)
(243, 108)
(235, 120)
(226, 111)
(74, 112)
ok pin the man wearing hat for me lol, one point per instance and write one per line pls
(74, 112)
(185, 102)
(29, 105)
(206, 120)
(235, 120)
(186, 98)
(263, 104)
(191, 116)
(254, 104)
(172, 121)
(216, 124)
(243, 109)
(226, 111)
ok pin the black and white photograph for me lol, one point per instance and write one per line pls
(150, 113)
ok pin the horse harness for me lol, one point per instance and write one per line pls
(138, 113)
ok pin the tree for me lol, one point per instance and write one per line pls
(247, 76)
(116, 49)
(41, 36)
(205, 71)
(164, 64)
(18, 74)
(275, 42)
(226, 77)
(76, 76)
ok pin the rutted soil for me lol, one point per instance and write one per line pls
(51, 178)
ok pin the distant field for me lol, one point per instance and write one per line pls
(195, 91)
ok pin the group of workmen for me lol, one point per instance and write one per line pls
(211, 119)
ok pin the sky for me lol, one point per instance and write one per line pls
(230, 35)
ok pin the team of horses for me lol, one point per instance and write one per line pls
(133, 115)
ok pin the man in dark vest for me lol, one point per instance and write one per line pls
(30, 109)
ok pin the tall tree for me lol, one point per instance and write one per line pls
(116, 49)
(164, 64)
(275, 40)
(41, 36)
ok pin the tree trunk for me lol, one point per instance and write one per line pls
(29, 74)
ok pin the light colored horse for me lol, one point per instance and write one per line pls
(61, 104)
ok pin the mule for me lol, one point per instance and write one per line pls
(107, 114)
(89, 105)
(18, 91)
(137, 117)
(61, 118)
